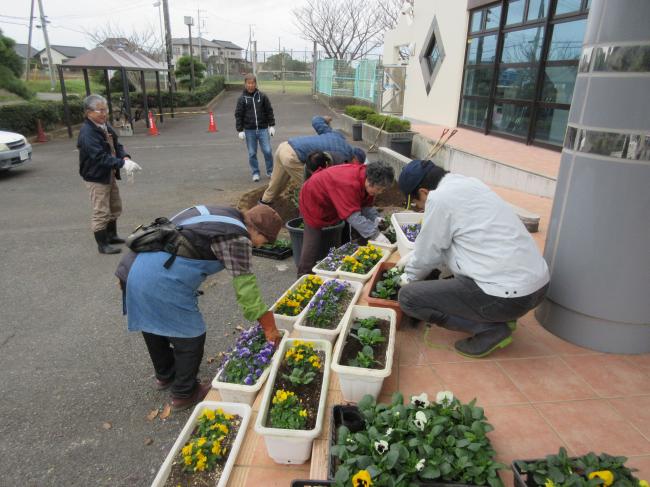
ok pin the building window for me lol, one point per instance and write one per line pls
(431, 55)
(521, 65)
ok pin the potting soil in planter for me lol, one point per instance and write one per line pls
(329, 305)
(353, 346)
(205, 455)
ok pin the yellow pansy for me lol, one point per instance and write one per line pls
(362, 479)
(209, 414)
(303, 413)
(187, 459)
(605, 475)
(201, 441)
(187, 449)
(223, 428)
(549, 483)
(643, 483)
(216, 448)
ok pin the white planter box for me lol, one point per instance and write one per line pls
(241, 392)
(292, 446)
(242, 410)
(323, 273)
(398, 219)
(363, 278)
(330, 335)
(356, 382)
(285, 322)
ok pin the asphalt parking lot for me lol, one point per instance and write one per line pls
(76, 387)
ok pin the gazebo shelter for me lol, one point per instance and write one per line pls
(102, 58)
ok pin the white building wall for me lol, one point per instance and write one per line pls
(440, 105)
(57, 57)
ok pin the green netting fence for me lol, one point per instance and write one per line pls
(357, 79)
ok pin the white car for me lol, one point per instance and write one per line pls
(14, 150)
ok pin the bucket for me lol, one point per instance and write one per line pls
(403, 146)
(356, 131)
(330, 237)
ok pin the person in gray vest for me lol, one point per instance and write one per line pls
(101, 156)
(162, 303)
(499, 273)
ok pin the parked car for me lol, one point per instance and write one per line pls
(14, 150)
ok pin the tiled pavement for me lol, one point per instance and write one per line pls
(539, 393)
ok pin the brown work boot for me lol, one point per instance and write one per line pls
(201, 390)
(161, 385)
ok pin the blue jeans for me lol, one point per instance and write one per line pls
(252, 137)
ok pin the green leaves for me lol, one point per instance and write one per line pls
(300, 376)
(389, 286)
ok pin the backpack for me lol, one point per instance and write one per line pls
(164, 235)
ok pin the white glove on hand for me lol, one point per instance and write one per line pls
(381, 238)
(379, 220)
(403, 280)
(403, 262)
(271, 131)
(242, 135)
(130, 167)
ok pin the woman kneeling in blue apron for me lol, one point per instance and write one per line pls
(162, 301)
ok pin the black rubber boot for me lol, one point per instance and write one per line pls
(102, 243)
(483, 344)
(111, 233)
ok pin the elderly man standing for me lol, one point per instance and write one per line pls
(101, 157)
(327, 148)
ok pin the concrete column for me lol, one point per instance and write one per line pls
(598, 243)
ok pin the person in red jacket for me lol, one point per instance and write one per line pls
(343, 192)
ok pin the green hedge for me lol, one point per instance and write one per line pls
(359, 112)
(210, 88)
(14, 85)
(392, 124)
(21, 117)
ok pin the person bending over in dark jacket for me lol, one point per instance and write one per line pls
(101, 157)
(291, 156)
(162, 303)
(255, 122)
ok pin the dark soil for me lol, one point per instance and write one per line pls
(352, 347)
(308, 393)
(343, 306)
(201, 479)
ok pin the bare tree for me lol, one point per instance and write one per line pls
(346, 29)
(145, 40)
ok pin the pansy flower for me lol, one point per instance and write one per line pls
(420, 420)
(421, 401)
(444, 397)
(381, 446)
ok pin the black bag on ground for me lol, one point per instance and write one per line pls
(162, 235)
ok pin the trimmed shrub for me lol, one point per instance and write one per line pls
(360, 112)
(21, 117)
(12, 84)
(210, 88)
(391, 124)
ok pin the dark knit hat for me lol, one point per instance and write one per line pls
(359, 155)
(412, 175)
(265, 220)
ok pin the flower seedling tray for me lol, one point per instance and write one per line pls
(379, 302)
(311, 483)
(275, 253)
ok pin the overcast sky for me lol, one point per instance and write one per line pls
(224, 19)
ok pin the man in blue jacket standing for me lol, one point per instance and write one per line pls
(255, 122)
(101, 157)
(327, 148)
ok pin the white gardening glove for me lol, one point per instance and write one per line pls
(403, 280)
(242, 135)
(271, 131)
(403, 262)
(381, 238)
(379, 220)
(131, 167)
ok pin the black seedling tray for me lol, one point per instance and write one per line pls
(311, 483)
(277, 254)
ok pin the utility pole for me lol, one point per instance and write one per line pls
(314, 61)
(170, 67)
(29, 42)
(254, 57)
(284, 58)
(198, 17)
(47, 43)
(189, 21)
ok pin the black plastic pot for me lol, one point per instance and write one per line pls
(356, 131)
(330, 237)
(277, 254)
(311, 483)
(403, 146)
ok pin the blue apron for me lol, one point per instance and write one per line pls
(170, 306)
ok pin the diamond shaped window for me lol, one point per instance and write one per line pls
(432, 55)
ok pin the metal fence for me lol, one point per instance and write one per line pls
(360, 79)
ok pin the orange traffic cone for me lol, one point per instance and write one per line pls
(41, 134)
(153, 130)
(213, 124)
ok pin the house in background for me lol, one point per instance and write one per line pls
(220, 57)
(506, 67)
(60, 54)
(21, 50)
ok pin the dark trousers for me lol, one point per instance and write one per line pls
(434, 301)
(315, 246)
(176, 358)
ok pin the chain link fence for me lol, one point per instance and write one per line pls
(361, 79)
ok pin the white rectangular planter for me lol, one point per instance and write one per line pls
(363, 278)
(241, 392)
(239, 409)
(285, 322)
(398, 219)
(356, 382)
(285, 445)
(323, 273)
(330, 335)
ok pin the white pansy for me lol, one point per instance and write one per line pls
(444, 397)
(420, 420)
(420, 465)
(381, 446)
(389, 431)
(421, 401)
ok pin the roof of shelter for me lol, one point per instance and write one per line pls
(102, 57)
